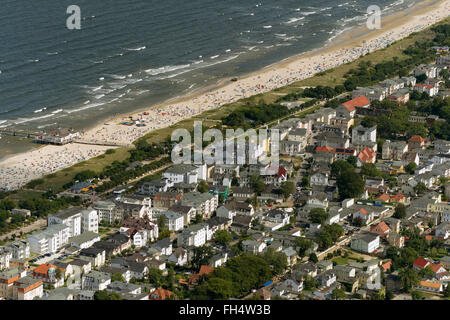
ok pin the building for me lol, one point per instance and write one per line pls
(5, 257)
(173, 221)
(416, 142)
(253, 246)
(204, 203)
(194, 235)
(429, 70)
(47, 273)
(362, 134)
(95, 256)
(367, 155)
(188, 212)
(105, 211)
(20, 249)
(185, 173)
(427, 88)
(85, 240)
(95, 280)
(49, 240)
(358, 102)
(59, 136)
(394, 150)
(28, 288)
(367, 242)
(70, 217)
(430, 286)
(89, 220)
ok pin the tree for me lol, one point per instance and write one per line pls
(417, 295)
(400, 211)
(155, 276)
(201, 256)
(257, 184)
(350, 184)
(302, 245)
(389, 295)
(305, 182)
(310, 283)
(420, 188)
(408, 278)
(215, 289)
(287, 189)
(369, 170)
(223, 237)
(318, 215)
(202, 186)
(447, 291)
(339, 166)
(313, 257)
(161, 222)
(411, 167)
(358, 221)
(117, 277)
(339, 294)
(352, 160)
(426, 273)
(104, 295)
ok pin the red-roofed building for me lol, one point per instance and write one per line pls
(161, 294)
(382, 197)
(47, 273)
(365, 216)
(324, 149)
(359, 102)
(194, 279)
(420, 263)
(367, 155)
(381, 229)
(428, 88)
(416, 142)
(398, 198)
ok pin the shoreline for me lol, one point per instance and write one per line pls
(346, 47)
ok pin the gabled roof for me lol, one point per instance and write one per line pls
(416, 138)
(421, 262)
(383, 197)
(360, 101)
(382, 226)
(366, 154)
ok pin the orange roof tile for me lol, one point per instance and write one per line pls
(43, 268)
(416, 138)
(430, 284)
(358, 102)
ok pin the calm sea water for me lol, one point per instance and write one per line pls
(135, 53)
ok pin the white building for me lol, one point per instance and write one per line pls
(194, 235)
(5, 256)
(362, 134)
(89, 220)
(105, 211)
(185, 173)
(204, 203)
(368, 242)
(95, 280)
(20, 249)
(49, 240)
(70, 217)
(173, 221)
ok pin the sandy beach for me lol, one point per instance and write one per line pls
(17, 170)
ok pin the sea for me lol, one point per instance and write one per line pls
(133, 54)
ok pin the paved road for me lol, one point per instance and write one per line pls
(34, 226)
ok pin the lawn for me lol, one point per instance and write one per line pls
(340, 260)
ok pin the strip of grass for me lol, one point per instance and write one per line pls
(55, 181)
